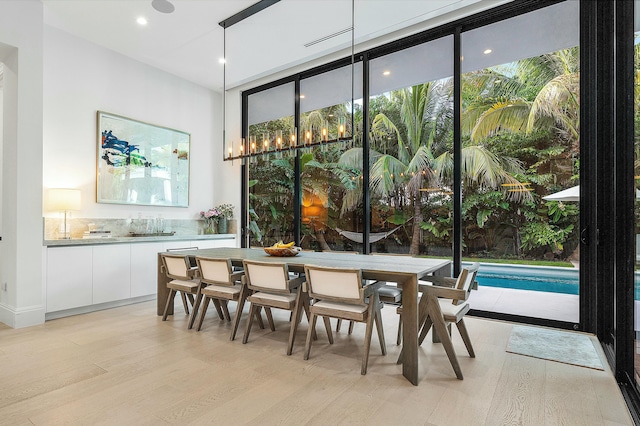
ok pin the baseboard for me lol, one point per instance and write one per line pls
(97, 307)
(22, 317)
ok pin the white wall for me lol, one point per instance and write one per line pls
(21, 304)
(81, 78)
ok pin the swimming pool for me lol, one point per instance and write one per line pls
(549, 279)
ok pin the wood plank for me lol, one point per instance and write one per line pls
(95, 369)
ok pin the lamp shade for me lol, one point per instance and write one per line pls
(63, 199)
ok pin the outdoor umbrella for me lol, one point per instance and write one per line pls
(571, 194)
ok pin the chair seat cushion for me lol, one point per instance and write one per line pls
(451, 312)
(222, 291)
(390, 294)
(340, 310)
(182, 285)
(284, 301)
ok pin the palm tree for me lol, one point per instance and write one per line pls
(421, 155)
(541, 91)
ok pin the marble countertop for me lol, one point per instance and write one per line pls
(127, 240)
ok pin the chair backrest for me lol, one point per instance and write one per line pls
(215, 271)
(266, 275)
(466, 278)
(176, 266)
(337, 284)
(192, 261)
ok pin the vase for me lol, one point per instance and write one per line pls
(210, 228)
(222, 226)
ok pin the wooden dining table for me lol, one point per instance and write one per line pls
(404, 270)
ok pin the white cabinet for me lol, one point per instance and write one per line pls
(86, 275)
(111, 272)
(69, 277)
(144, 261)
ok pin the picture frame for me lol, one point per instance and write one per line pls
(141, 163)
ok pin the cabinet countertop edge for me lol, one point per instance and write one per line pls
(128, 240)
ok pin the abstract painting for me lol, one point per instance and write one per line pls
(141, 163)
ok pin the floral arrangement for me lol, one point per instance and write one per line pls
(215, 214)
(210, 217)
(225, 210)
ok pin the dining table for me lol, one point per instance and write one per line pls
(403, 270)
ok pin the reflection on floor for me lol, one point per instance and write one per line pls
(537, 304)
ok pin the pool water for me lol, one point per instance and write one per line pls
(547, 284)
(550, 279)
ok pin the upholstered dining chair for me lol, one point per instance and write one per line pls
(220, 285)
(339, 293)
(451, 295)
(178, 269)
(271, 286)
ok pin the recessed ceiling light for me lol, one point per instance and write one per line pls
(163, 6)
(301, 96)
(486, 52)
(142, 20)
(386, 73)
(222, 61)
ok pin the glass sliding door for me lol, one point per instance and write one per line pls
(271, 176)
(521, 162)
(411, 150)
(331, 172)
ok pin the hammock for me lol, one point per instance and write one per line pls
(359, 237)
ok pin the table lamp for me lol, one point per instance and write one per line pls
(64, 199)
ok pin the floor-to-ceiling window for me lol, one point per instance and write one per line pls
(411, 149)
(331, 171)
(520, 148)
(271, 176)
(505, 162)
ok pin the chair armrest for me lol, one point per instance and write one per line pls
(370, 288)
(440, 281)
(445, 292)
(236, 276)
(296, 282)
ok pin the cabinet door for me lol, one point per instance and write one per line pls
(203, 244)
(144, 264)
(69, 278)
(111, 272)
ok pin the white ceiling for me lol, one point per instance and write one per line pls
(189, 42)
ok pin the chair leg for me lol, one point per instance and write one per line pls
(327, 326)
(399, 338)
(184, 302)
(247, 330)
(462, 328)
(367, 340)
(272, 325)
(216, 303)
(258, 315)
(196, 306)
(307, 310)
(338, 325)
(172, 294)
(205, 305)
(351, 327)
(440, 327)
(225, 309)
(236, 318)
(296, 313)
(312, 326)
(425, 330)
(378, 320)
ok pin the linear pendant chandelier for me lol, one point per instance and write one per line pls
(279, 143)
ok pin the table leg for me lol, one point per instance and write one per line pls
(410, 329)
(163, 291)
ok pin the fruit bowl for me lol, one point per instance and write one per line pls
(282, 252)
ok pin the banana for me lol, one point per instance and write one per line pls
(280, 244)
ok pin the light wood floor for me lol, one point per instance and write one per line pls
(124, 366)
